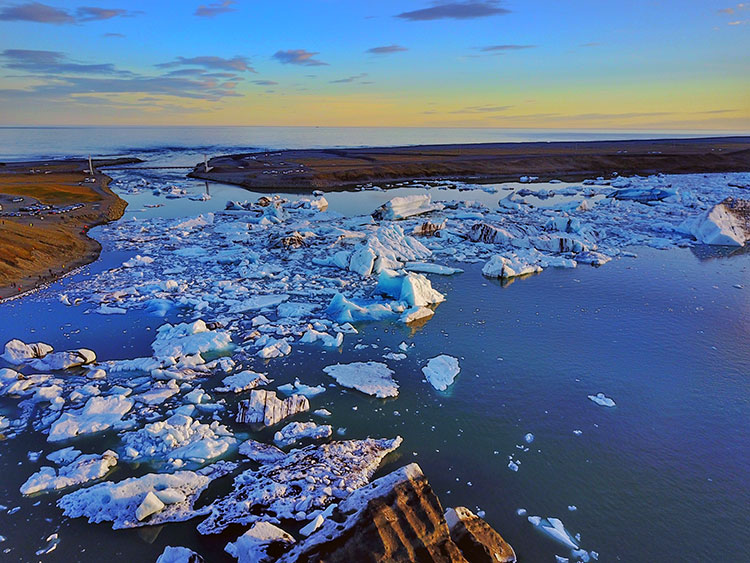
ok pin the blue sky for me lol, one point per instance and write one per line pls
(582, 64)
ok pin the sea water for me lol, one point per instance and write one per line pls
(660, 477)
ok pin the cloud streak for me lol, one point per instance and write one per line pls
(52, 63)
(386, 50)
(42, 13)
(64, 78)
(298, 57)
(236, 64)
(456, 11)
(214, 9)
(501, 48)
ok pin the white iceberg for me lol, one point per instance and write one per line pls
(441, 371)
(372, 378)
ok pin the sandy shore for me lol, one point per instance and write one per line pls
(495, 162)
(37, 248)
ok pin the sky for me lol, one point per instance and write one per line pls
(576, 64)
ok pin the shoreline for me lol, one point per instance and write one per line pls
(330, 169)
(46, 246)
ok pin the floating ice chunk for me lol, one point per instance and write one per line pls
(408, 206)
(426, 268)
(304, 480)
(158, 393)
(97, 415)
(179, 555)
(413, 289)
(342, 310)
(299, 430)
(372, 378)
(179, 437)
(64, 456)
(296, 310)
(441, 371)
(253, 545)
(302, 389)
(362, 261)
(312, 335)
(395, 356)
(509, 267)
(118, 502)
(150, 505)
(415, 314)
(555, 529)
(243, 381)
(264, 407)
(274, 348)
(528, 438)
(64, 360)
(188, 339)
(602, 400)
(313, 525)
(17, 352)
(107, 310)
(258, 302)
(593, 258)
(322, 412)
(260, 452)
(138, 260)
(81, 470)
(727, 223)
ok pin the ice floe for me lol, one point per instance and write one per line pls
(602, 400)
(372, 378)
(254, 545)
(119, 502)
(81, 469)
(300, 430)
(179, 438)
(441, 371)
(304, 480)
(97, 415)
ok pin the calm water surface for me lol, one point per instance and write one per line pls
(663, 476)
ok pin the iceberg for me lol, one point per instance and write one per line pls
(441, 371)
(372, 378)
(408, 206)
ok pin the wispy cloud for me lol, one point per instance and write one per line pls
(42, 13)
(265, 82)
(349, 79)
(298, 57)
(386, 49)
(51, 63)
(215, 9)
(89, 14)
(62, 78)
(237, 64)
(501, 48)
(734, 9)
(482, 109)
(456, 11)
(591, 44)
(738, 22)
(116, 35)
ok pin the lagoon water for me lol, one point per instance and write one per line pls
(663, 476)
